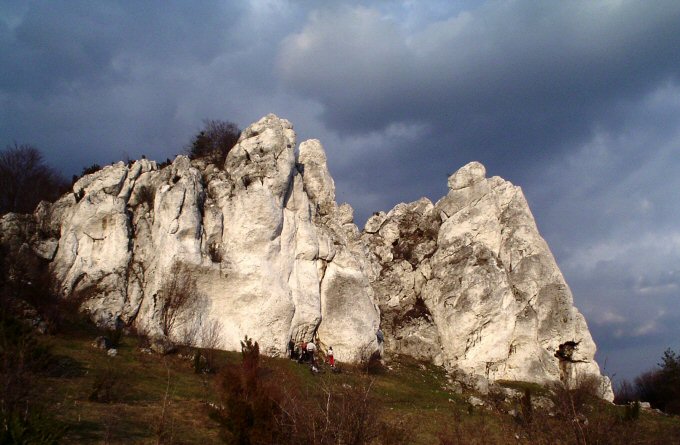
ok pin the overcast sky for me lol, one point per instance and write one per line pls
(577, 102)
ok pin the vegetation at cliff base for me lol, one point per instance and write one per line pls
(78, 393)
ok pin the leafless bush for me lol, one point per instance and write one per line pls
(661, 387)
(211, 341)
(475, 431)
(179, 301)
(164, 425)
(190, 328)
(261, 405)
(25, 179)
(214, 141)
(72, 309)
(571, 399)
(107, 384)
(580, 417)
(339, 414)
(20, 354)
(625, 393)
(146, 194)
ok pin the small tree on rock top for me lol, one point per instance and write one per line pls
(214, 141)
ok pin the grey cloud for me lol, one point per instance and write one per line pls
(90, 82)
(508, 78)
(66, 44)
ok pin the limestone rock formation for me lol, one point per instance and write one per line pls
(264, 250)
(271, 254)
(468, 282)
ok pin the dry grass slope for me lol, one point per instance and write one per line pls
(161, 400)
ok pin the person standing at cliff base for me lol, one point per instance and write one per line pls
(331, 359)
(291, 349)
(311, 347)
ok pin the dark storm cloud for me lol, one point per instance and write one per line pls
(507, 82)
(578, 102)
(62, 45)
(95, 81)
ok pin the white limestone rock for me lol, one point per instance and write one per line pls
(467, 282)
(272, 255)
(488, 290)
(318, 182)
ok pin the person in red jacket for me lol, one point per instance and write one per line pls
(331, 359)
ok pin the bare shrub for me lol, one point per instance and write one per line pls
(661, 387)
(475, 431)
(146, 194)
(179, 300)
(577, 410)
(190, 328)
(107, 385)
(247, 406)
(25, 179)
(571, 399)
(338, 414)
(28, 291)
(632, 411)
(211, 341)
(22, 357)
(624, 393)
(164, 425)
(94, 168)
(259, 405)
(214, 141)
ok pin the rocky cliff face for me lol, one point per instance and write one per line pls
(467, 282)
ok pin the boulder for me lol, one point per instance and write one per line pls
(101, 342)
(475, 401)
(161, 345)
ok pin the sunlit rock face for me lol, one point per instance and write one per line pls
(273, 256)
(467, 282)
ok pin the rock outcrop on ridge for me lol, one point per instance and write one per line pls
(467, 282)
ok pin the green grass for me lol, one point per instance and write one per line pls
(408, 393)
(134, 415)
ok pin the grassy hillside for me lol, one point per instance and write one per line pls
(138, 397)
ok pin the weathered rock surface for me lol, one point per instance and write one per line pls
(467, 282)
(273, 256)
